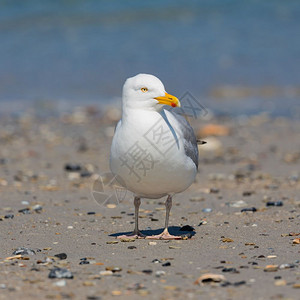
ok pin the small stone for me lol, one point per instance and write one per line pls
(171, 287)
(187, 228)
(60, 283)
(248, 193)
(84, 262)
(296, 241)
(112, 242)
(271, 256)
(111, 205)
(113, 269)
(214, 191)
(253, 209)
(106, 273)
(274, 203)
(239, 203)
(238, 283)
(287, 266)
(156, 261)
(116, 293)
(152, 243)
(294, 234)
(280, 282)
(24, 211)
(61, 255)
(9, 216)
(166, 264)
(23, 251)
(73, 176)
(202, 223)
(148, 271)
(127, 240)
(131, 247)
(271, 268)
(72, 167)
(174, 247)
(227, 240)
(230, 270)
(91, 212)
(37, 208)
(160, 273)
(296, 286)
(209, 278)
(207, 210)
(88, 283)
(60, 273)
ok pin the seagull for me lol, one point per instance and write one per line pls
(154, 150)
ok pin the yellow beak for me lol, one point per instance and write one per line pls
(168, 100)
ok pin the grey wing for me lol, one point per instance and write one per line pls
(190, 141)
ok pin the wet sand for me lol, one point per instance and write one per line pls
(243, 207)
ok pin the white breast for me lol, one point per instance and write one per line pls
(148, 154)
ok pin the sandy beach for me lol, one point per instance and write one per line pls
(242, 212)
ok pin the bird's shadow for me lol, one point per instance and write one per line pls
(174, 230)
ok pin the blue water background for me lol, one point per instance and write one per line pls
(81, 52)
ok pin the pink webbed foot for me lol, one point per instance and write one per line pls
(133, 235)
(165, 235)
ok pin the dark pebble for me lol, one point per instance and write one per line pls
(167, 264)
(187, 228)
(147, 271)
(274, 203)
(277, 277)
(247, 193)
(131, 247)
(230, 270)
(60, 273)
(24, 211)
(225, 283)
(93, 298)
(253, 209)
(24, 251)
(214, 191)
(84, 262)
(91, 213)
(72, 168)
(61, 255)
(238, 283)
(84, 258)
(85, 174)
(9, 216)
(154, 220)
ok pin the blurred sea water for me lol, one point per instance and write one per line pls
(234, 56)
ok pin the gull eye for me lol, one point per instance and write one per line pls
(144, 89)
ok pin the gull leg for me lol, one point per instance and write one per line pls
(136, 234)
(165, 235)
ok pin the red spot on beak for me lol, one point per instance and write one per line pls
(173, 104)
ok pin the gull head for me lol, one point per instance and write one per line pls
(145, 91)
